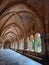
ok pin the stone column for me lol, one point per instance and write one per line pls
(45, 48)
(25, 44)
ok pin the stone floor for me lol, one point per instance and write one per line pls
(9, 57)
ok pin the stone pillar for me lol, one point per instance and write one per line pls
(21, 44)
(48, 41)
(44, 42)
(25, 44)
(28, 44)
(45, 48)
(16, 45)
(1, 43)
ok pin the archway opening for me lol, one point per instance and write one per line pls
(7, 44)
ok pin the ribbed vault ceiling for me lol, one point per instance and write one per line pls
(18, 21)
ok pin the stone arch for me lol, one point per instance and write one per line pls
(8, 27)
(36, 18)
